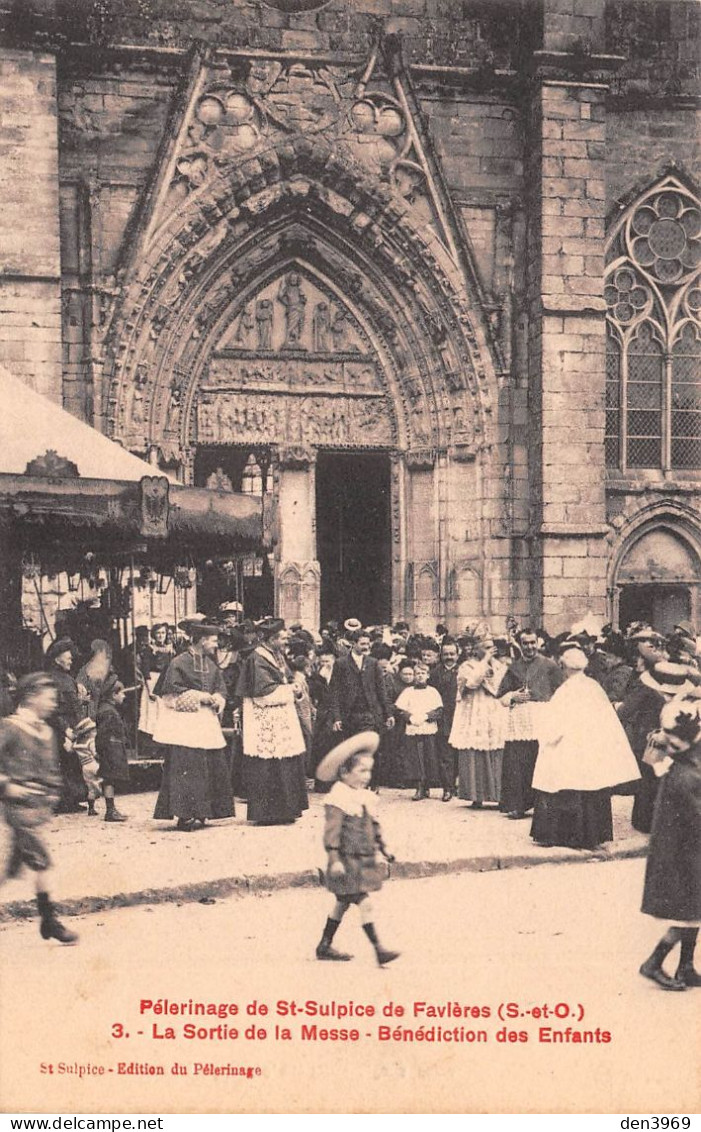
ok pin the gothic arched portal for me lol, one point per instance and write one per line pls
(289, 299)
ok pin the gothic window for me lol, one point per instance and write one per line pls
(686, 398)
(252, 481)
(653, 352)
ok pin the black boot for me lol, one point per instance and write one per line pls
(112, 813)
(652, 967)
(382, 955)
(325, 950)
(50, 927)
(685, 971)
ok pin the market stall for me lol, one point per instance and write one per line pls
(95, 540)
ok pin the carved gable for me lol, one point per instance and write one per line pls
(235, 112)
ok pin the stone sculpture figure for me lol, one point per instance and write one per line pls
(293, 299)
(246, 326)
(339, 329)
(321, 328)
(264, 323)
(137, 398)
(174, 404)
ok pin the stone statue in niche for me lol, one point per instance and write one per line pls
(339, 329)
(264, 323)
(463, 427)
(138, 394)
(421, 425)
(246, 326)
(321, 326)
(219, 481)
(292, 298)
(174, 403)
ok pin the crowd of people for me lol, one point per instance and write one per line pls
(525, 723)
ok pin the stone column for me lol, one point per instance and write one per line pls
(423, 565)
(30, 288)
(567, 134)
(297, 572)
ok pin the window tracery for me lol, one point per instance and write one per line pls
(653, 354)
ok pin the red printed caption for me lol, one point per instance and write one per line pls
(347, 1020)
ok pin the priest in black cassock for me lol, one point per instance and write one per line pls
(196, 781)
(273, 743)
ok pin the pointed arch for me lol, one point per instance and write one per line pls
(297, 206)
(653, 295)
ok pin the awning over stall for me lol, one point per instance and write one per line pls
(32, 426)
(58, 475)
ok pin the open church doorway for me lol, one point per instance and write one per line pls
(353, 532)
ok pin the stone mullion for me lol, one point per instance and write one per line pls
(623, 394)
(667, 414)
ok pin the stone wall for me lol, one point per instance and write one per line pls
(540, 117)
(30, 303)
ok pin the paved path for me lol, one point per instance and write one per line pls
(100, 866)
(533, 938)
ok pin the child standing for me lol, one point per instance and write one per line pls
(112, 748)
(82, 740)
(422, 707)
(352, 839)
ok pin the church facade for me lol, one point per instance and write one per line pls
(424, 272)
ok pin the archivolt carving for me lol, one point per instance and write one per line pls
(391, 290)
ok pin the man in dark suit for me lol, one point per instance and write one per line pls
(444, 678)
(357, 695)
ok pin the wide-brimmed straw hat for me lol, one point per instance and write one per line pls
(365, 743)
(671, 679)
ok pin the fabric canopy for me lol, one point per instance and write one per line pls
(31, 425)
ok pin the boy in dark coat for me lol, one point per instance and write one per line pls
(30, 783)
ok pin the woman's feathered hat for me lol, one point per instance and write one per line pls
(682, 718)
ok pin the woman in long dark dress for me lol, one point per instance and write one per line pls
(196, 782)
(673, 873)
(273, 744)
